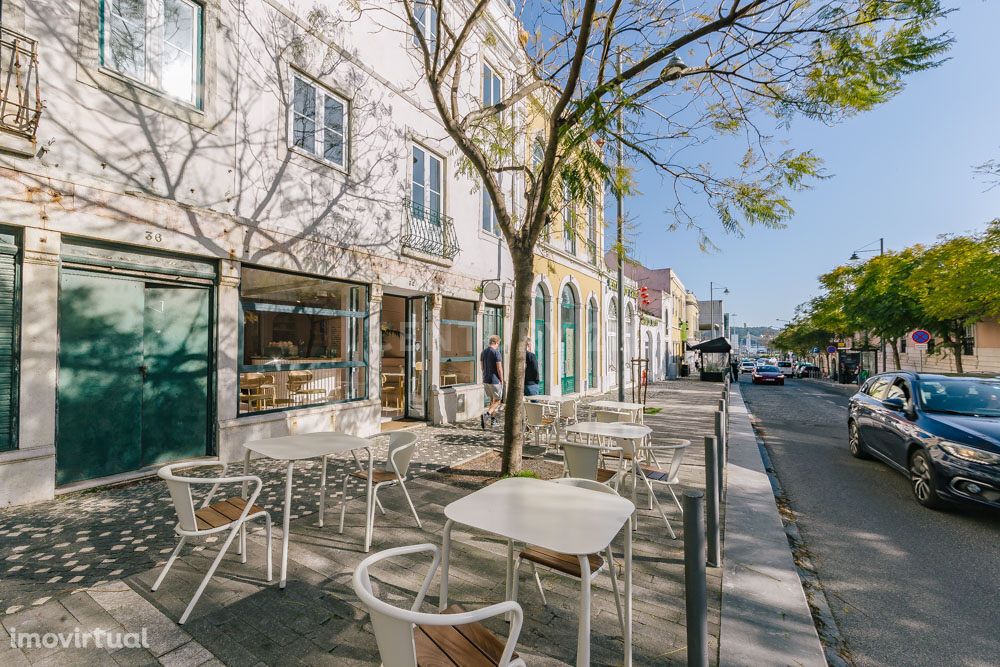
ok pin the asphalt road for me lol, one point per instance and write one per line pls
(908, 586)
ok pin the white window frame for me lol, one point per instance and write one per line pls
(425, 13)
(320, 94)
(154, 42)
(426, 185)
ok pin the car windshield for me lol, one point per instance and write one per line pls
(784, 363)
(978, 397)
(768, 369)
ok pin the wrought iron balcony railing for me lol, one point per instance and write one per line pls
(20, 95)
(429, 231)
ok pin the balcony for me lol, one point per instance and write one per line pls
(428, 234)
(20, 95)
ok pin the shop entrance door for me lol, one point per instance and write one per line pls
(416, 357)
(133, 374)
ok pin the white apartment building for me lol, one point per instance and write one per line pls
(230, 220)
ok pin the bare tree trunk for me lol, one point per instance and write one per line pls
(956, 349)
(513, 431)
(895, 353)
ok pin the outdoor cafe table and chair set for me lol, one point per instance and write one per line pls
(566, 526)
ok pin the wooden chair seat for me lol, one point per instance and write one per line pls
(223, 512)
(564, 563)
(615, 455)
(470, 645)
(378, 476)
(603, 474)
(656, 474)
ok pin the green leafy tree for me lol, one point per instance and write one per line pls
(691, 71)
(883, 300)
(959, 285)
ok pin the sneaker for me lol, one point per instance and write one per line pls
(482, 421)
(493, 421)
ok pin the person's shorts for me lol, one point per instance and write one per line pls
(494, 392)
(532, 390)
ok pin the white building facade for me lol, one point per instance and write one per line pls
(233, 221)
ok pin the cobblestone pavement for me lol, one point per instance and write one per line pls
(242, 619)
(93, 537)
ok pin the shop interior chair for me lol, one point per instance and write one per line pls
(455, 637)
(571, 566)
(402, 446)
(225, 516)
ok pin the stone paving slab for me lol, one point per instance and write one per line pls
(244, 620)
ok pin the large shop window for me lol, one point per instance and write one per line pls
(458, 340)
(155, 42)
(303, 341)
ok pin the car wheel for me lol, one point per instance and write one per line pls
(922, 480)
(857, 445)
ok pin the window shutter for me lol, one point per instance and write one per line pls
(8, 343)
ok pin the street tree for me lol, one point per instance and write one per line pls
(690, 72)
(883, 300)
(959, 285)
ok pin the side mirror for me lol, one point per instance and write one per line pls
(894, 403)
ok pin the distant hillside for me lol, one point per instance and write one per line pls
(756, 331)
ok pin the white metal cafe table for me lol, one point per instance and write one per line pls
(543, 398)
(557, 517)
(612, 430)
(292, 448)
(635, 408)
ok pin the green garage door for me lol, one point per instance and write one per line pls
(8, 340)
(133, 374)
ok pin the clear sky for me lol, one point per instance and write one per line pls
(903, 171)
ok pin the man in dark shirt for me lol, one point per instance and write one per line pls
(531, 378)
(491, 361)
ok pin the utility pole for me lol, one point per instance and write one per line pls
(620, 239)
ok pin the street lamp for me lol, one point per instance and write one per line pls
(711, 304)
(854, 257)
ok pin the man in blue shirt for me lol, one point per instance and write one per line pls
(491, 361)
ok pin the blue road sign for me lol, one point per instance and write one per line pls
(920, 336)
(831, 348)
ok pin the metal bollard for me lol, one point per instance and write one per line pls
(720, 434)
(695, 582)
(712, 499)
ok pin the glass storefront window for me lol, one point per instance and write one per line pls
(303, 341)
(458, 342)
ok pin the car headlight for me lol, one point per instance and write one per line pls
(970, 454)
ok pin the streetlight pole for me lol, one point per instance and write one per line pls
(620, 242)
(711, 305)
(854, 257)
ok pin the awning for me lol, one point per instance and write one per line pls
(714, 345)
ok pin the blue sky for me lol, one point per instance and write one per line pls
(903, 171)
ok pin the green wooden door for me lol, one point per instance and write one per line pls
(133, 374)
(541, 336)
(100, 386)
(8, 341)
(175, 357)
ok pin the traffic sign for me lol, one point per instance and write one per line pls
(920, 336)
(831, 348)
(920, 346)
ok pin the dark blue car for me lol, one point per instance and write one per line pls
(941, 431)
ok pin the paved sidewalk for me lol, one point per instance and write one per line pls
(242, 619)
(765, 616)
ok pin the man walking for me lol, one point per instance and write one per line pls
(531, 378)
(491, 361)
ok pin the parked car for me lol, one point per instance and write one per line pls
(786, 368)
(746, 366)
(943, 432)
(807, 371)
(767, 375)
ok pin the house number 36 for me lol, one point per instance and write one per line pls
(154, 236)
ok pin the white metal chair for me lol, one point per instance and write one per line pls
(669, 477)
(453, 637)
(584, 462)
(569, 565)
(211, 518)
(402, 446)
(568, 412)
(538, 419)
(612, 416)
